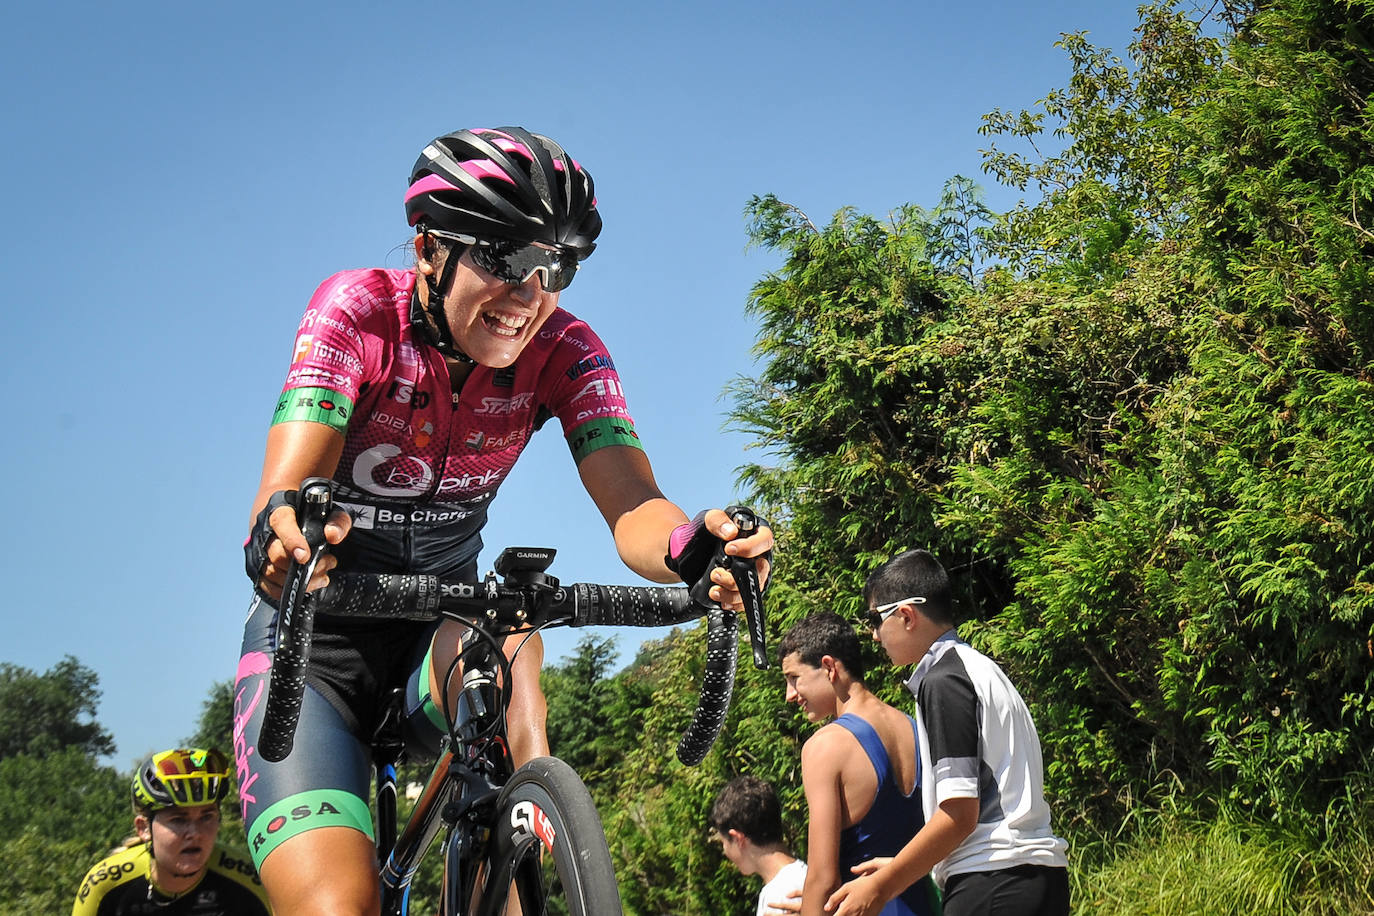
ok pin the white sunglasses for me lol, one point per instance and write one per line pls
(875, 617)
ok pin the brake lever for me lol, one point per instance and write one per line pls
(746, 576)
(312, 511)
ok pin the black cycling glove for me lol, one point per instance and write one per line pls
(692, 548)
(255, 548)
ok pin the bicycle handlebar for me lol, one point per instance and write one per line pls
(527, 599)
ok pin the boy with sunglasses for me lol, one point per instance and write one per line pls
(987, 837)
(861, 771)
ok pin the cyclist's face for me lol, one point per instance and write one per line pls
(809, 687)
(183, 839)
(491, 320)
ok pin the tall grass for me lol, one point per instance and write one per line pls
(1182, 863)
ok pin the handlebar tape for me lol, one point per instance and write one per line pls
(295, 629)
(717, 685)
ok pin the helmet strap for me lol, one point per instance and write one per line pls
(429, 319)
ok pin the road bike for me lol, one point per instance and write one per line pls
(531, 834)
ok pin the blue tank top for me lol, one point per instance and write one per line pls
(890, 823)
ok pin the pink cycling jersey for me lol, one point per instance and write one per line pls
(420, 463)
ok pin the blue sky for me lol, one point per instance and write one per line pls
(178, 179)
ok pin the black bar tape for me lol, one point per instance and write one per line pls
(717, 685)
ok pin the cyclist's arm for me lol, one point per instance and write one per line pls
(295, 451)
(621, 482)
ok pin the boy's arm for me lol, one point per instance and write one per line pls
(821, 759)
(953, 821)
(949, 711)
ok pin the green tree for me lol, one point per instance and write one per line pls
(60, 809)
(43, 713)
(581, 728)
(215, 727)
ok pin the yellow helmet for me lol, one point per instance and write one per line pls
(181, 778)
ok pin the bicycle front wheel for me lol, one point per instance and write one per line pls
(548, 849)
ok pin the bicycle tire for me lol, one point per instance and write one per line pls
(548, 846)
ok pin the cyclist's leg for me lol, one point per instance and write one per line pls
(526, 730)
(307, 821)
(526, 727)
(331, 871)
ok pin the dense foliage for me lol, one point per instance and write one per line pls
(61, 809)
(1135, 418)
(42, 713)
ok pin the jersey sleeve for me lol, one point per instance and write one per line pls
(107, 875)
(587, 395)
(949, 710)
(329, 358)
(87, 899)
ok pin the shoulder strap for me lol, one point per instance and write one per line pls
(869, 741)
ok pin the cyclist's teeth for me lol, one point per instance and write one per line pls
(508, 323)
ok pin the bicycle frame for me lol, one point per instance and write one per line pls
(458, 795)
(474, 773)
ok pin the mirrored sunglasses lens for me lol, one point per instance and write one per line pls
(555, 268)
(516, 264)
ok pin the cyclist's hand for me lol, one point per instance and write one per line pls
(724, 591)
(277, 538)
(692, 545)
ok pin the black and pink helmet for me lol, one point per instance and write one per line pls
(504, 183)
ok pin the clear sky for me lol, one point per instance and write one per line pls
(179, 177)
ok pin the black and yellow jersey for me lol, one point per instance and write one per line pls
(119, 886)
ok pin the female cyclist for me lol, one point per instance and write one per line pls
(175, 865)
(415, 391)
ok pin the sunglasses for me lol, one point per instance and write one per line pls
(515, 262)
(875, 617)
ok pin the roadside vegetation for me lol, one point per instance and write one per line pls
(1134, 416)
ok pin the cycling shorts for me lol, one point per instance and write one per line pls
(325, 780)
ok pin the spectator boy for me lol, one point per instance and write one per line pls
(987, 836)
(746, 819)
(861, 771)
